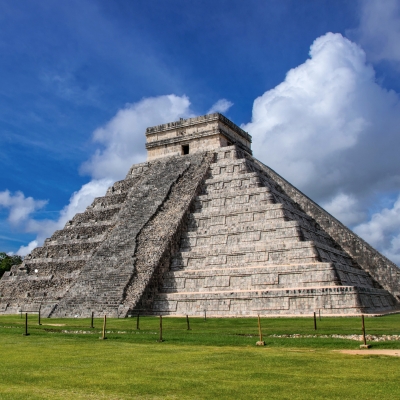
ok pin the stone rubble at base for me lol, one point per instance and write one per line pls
(212, 230)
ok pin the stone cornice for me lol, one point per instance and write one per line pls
(198, 120)
(187, 138)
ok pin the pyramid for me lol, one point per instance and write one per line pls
(202, 226)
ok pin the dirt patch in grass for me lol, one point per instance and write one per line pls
(383, 352)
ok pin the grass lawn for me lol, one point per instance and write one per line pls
(217, 359)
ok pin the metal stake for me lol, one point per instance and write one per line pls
(39, 318)
(137, 321)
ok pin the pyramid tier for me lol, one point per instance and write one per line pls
(330, 300)
(267, 276)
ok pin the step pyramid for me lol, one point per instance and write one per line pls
(202, 226)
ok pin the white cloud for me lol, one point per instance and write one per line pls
(19, 206)
(379, 29)
(332, 131)
(345, 208)
(326, 127)
(21, 209)
(123, 137)
(24, 250)
(123, 144)
(220, 106)
(383, 231)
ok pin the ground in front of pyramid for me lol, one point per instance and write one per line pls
(202, 226)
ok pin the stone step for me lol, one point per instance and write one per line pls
(264, 277)
(238, 200)
(137, 169)
(281, 301)
(267, 226)
(123, 186)
(80, 232)
(264, 226)
(65, 250)
(91, 224)
(81, 240)
(273, 213)
(242, 197)
(57, 260)
(267, 268)
(243, 180)
(301, 252)
(108, 201)
(244, 209)
(257, 243)
(234, 239)
(93, 216)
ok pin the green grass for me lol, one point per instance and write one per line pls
(217, 359)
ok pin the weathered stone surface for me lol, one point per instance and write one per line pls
(212, 230)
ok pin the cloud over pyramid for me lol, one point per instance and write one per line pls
(202, 225)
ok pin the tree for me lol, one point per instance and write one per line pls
(6, 262)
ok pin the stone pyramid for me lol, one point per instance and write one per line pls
(202, 225)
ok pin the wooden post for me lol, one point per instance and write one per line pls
(363, 328)
(187, 322)
(319, 312)
(26, 325)
(137, 321)
(315, 321)
(205, 315)
(91, 324)
(260, 342)
(103, 337)
(365, 345)
(39, 318)
(160, 339)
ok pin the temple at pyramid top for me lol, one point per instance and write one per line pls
(192, 135)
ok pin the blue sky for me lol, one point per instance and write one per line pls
(315, 82)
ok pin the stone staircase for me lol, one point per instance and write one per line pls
(115, 266)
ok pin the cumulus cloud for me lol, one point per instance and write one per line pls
(24, 250)
(20, 207)
(123, 137)
(330, 117)
(379, 30)
(382, 231)
(220, 106)
(345, 208)
(122, 142)
(331, 129)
